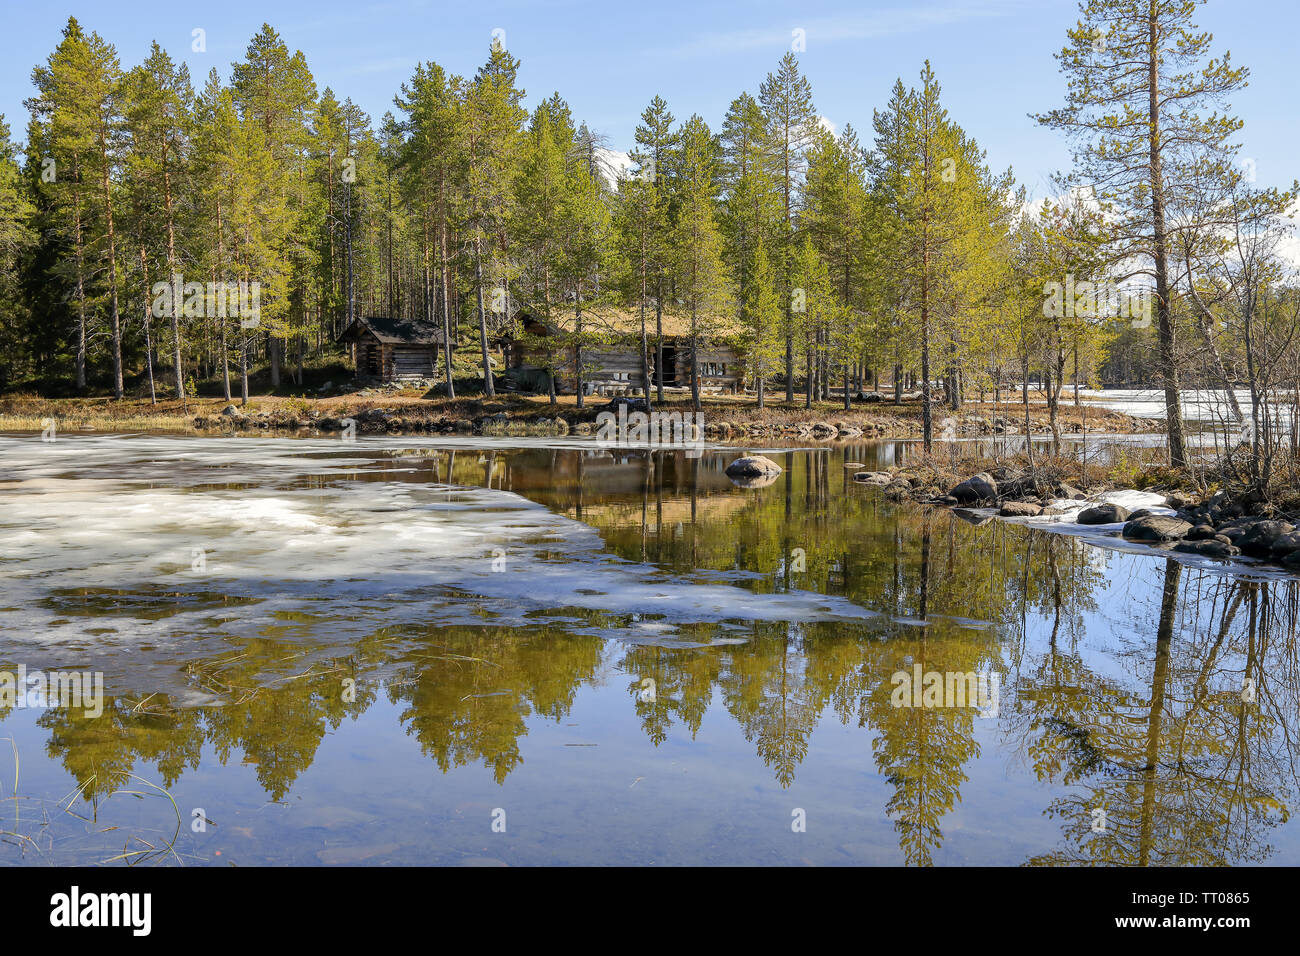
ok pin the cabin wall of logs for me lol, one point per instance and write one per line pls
(387, 360)
(619, 365)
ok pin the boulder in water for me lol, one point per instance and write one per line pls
(979, 487)
(1156, 528)
(1208, 548)
(753, 466)
(1103, 514)
(1260, 536)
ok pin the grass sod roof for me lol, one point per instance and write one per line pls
(617, 323)
(394, 331)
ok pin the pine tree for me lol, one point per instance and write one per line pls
(655, 140)
(159, 103)
(885, 251)
(699, 275)
(763, 311)
(834, 215)
(786, 98)
(585, 227)
(542, 207)
(76, 115)
(636, 216)
(16, 241)
(434, 108)
(1139, 78)
(752, 209)
(274, 89)
(927, 195)
(493, 129)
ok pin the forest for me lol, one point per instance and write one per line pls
(162, 236)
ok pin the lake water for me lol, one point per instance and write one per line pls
(477, 652)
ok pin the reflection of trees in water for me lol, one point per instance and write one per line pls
(275, 711)
(1185, 773)
(470, 691)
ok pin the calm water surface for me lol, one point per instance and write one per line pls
(325, 653)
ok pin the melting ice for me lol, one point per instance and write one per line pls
(180, 542)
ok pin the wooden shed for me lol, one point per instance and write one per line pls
(388, 349)
(612, 358)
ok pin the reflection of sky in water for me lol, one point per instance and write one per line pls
(516, 689)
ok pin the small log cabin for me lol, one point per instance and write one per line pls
(387, 349)
(613, 359)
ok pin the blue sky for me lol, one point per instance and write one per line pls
(993, 57)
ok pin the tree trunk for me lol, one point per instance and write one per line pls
(81, 280)
(577, 342)
(221, 319)
(177, 280)
(446, 306)
(1167, 359)
(659, 342)
(112, 270)
(488, 388)
(148, 344)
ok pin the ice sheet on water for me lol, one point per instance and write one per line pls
(121, 522)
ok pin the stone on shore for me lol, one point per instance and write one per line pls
(1156, 528)
(1103, 514)
(979, 487)
(1260, 536)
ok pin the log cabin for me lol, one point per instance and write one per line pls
(387, 349)
(611, 359)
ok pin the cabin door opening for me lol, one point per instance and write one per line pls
(669, 371)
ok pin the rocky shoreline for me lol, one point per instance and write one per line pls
(1221, 526)
(402, 419)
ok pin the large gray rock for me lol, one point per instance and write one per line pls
(1156, 528)
(1103, 514)
(1259, 537)
(1208, 548)
(979, 487)
(1285, 544)
(1017, 486)
(1020, 509)
(753, 466)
